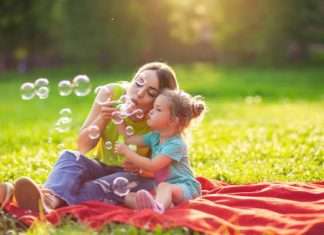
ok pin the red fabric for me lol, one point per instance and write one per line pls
(263, 208)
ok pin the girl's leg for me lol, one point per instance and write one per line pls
(166, 195)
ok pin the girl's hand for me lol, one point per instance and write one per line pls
(121, 149)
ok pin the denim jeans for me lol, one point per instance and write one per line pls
(76, 178)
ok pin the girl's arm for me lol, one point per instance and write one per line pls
(144, 163)
(99, 115)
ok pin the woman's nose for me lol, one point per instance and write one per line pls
(140, 92)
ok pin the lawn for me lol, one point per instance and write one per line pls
(262, 124)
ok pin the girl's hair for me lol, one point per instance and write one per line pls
(166, 75)
(184, 106)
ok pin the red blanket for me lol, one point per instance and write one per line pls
(263, 208)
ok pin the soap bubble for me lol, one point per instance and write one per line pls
(65, 87)
(82, 85)
(127, 108)
(42, 92)
(103, 96)
(140, 80)
(10, 232)
(94, 132)
(108, 145)
(41, 82)
(66, 112)
(120, 186)
(139, 113)
(129, 130)
(27, 91)
(124, 99)
(117, 118)
(63, 124)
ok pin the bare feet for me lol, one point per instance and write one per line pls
(145, 200)
(6, 192)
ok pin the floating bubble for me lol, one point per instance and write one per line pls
(42, 92)
(66, 112)
(63, 124)
(94, 132)
(139, 113)
(127, 109)
(82, 85)
(140, 80)
(103, 96)
(129, 130)
(124, 99)
(65, 87)
(41, 82)
(27, 91)
(108, 145)
(10, 232)
(117, 118)
(120, 186)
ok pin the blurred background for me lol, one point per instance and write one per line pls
(46, 34)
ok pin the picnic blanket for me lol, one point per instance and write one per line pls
(261, 208)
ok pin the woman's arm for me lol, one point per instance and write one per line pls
(144, 163)
(99, 115)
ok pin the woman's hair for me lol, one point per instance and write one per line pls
(166, 75)
(184, 106)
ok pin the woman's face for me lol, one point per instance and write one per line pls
(144, 89)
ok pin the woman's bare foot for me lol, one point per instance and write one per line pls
(6, 192)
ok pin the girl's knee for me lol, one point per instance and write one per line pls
(164, 186)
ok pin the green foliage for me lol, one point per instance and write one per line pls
(261, 125)
(129, 32)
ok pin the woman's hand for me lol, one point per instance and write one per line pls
(122, 149)
(106, 111)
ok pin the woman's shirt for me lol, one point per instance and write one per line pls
(108, 156)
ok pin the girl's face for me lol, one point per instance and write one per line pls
(144, 89)
(160, 116)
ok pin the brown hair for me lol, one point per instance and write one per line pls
(184, 106)
(166, 75)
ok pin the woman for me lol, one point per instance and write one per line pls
(76, 178)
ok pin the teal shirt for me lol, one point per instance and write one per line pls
(179, 171)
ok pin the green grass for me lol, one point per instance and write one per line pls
(263, 124)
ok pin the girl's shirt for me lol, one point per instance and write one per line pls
(108, 156)
(179, 171)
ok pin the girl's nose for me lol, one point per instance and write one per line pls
(150, 113)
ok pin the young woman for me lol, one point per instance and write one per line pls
(76, 178)
(170, 116)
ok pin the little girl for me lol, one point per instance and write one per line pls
(171, 114)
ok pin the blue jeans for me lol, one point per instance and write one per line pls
(76, 178)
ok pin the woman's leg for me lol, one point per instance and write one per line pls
(70, 173)
(101, 188)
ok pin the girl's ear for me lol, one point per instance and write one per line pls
(175, 122)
